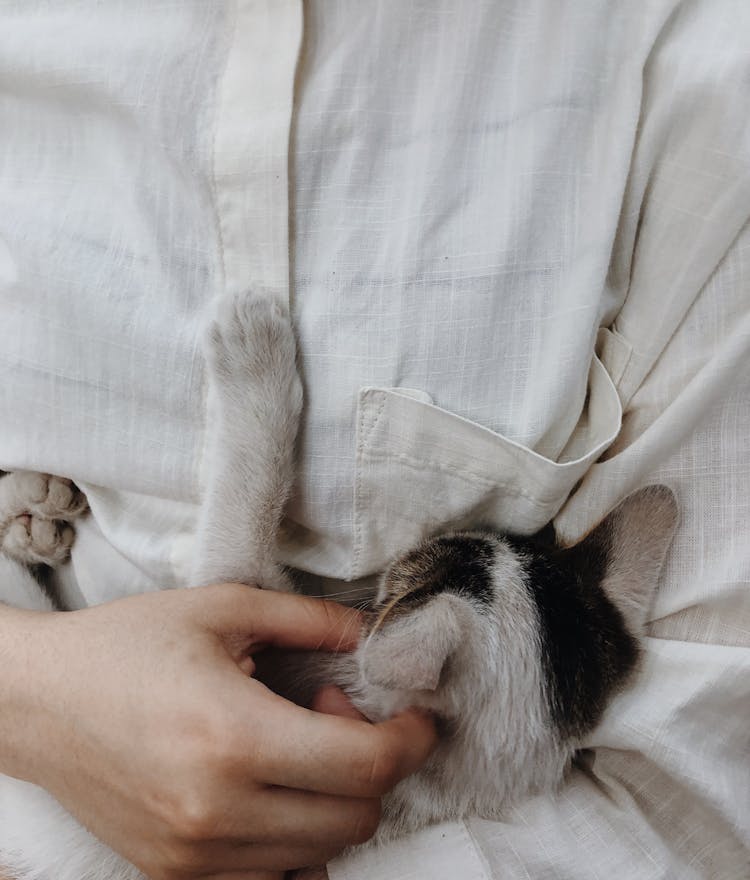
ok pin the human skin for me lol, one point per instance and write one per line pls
(334, 702)
(140, 717)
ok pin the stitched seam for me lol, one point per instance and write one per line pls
(363, 436)
(470, 476)
(375, 420)
(627, 351)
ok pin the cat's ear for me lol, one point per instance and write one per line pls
(409, 651)
(629, 546)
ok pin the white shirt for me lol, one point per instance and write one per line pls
(462, 201)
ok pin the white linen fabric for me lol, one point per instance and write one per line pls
(518, 243)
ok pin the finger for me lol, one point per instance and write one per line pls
(333, 701)
(291, 858)
(234, 857)
(281, 816)
(283, 619)
(342, 756)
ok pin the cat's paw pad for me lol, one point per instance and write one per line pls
(250, 335)
(55, 498)
(33, 540)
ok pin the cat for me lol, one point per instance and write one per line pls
(515, 644)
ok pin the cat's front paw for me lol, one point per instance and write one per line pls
(34, 540)
(50, 497)
(250, 341)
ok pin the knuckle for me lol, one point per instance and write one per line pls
(212, 744)
(192, 826)
(193, 820)
(174, 860)
(204, 761)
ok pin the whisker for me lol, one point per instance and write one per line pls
(353, 620)
(356, 591)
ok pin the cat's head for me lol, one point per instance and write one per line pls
(480, 626)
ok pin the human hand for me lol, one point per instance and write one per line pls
(139, 717)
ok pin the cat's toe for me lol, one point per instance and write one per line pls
(272, 347)
(50, 540)
(66, 536)
(31, 485)
(44, 536)
(245, 319)
(262, 310)
(34, 540)
(64, 500)
(17, 537)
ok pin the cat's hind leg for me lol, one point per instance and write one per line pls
(35, 515)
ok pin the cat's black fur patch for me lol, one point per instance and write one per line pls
(586, 649)
(459, 564)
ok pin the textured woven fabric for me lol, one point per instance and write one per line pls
(515, 241)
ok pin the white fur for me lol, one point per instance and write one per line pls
(479, 670)
(41, 841)
(19, 588)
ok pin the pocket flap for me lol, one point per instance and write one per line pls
(421, 468)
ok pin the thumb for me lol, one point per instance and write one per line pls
(285, 620)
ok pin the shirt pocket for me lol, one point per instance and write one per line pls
(420, 468)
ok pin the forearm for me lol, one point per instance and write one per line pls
(23, 649)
